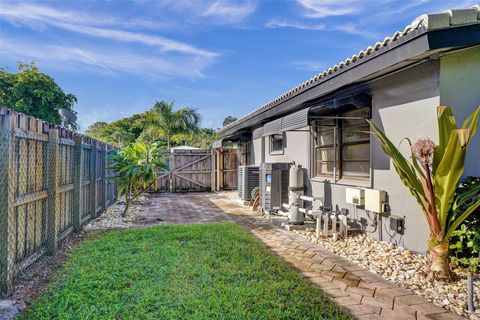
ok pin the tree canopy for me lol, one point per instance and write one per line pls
(34, 93)
(162, 124)
(228, 120)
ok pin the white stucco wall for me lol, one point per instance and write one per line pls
(295, 148)
(404, 105)
(257, 155)
(460, 89)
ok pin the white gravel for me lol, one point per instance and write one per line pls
(112, 217)
(405, 268)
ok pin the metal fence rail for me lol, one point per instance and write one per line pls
(52, 182)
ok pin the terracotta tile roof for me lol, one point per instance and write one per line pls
(426, 22)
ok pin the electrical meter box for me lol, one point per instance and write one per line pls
(355, 196)
(375, 200)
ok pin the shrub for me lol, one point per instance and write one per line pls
(136, 167)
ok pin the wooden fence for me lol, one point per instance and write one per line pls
(189, 171)
(199, 170)
(52, 182)
(225, 169)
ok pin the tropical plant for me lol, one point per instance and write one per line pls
(136, 167)
(202, 138)
(228, 120)
(432, 176)
(465, 242)
(95, 130)
(34, 93)
(162, 122)
(123, 132)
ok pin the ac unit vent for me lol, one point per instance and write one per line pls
(248, 179)
(295, 120)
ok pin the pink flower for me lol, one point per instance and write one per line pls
(423, 149)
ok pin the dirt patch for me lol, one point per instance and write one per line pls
(33, 280)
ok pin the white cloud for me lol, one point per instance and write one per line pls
(228, 11)
(42, 14)
(346, 28)
(206, 12)
(103, 61)
(161, 43)
(326, 8)
(313, 66)
(154, 55)
(273, 24)
(81, 23)
(356, 30)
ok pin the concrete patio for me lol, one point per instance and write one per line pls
(364, 294)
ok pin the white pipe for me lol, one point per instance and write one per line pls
(319, 227)
(325, 219)
(334, 224)
(311, 199)
(343, 225)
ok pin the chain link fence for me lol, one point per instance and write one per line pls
(52, 182)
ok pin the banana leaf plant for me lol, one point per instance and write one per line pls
(431, 175)
(136, 167)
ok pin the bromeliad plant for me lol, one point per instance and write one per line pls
(136, 167)
(432, 176)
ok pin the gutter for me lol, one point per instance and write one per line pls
(416, 45)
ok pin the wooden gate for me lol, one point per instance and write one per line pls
(190, 171)
(225, 169)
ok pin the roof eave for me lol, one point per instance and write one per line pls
(410, 48)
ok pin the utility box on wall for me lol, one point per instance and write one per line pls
(355, 196)
(375, 200)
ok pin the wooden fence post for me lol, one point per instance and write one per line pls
(220, 168)
(217, 167)
(52, 187)
(103, 184)
(77, 185)
(106, 189)
(172, 169)
(93, 179)
(213, 183)
(7, 189)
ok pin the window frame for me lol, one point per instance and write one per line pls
(339, 145)
(270, 139)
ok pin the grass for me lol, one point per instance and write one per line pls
(214, 271)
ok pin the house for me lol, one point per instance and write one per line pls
(183, 148)
(398, 83)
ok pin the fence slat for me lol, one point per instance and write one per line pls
(51, 181)
(93, 179)
(77, 185)
(7, 189)
(53, 214)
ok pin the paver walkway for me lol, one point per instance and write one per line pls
(364, 294)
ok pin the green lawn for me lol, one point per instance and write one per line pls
(214, 271)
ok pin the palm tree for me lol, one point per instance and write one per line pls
(162, 122)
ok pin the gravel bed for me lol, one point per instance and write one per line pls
(403, 267)
(112, 217)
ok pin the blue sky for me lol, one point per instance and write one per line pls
(222, 57)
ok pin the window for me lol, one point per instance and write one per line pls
(342, 146)
(276, 143)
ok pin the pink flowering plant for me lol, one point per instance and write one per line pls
(432, 174)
